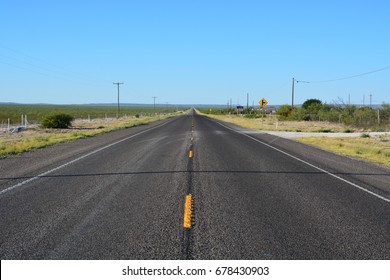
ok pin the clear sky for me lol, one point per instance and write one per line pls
(193, 51)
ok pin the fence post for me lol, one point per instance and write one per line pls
(379, 118)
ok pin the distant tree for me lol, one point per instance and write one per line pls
(310, 102)
(284, 112)
(57, 121)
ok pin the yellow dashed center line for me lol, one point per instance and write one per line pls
(188, 211)
(188, 203)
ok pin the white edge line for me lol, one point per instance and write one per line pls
(309, 164)
(77, 159)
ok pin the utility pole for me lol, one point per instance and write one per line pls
(292, 94)
(154, 104)
(379, 117)
(118, 84)
(247, 101)
(292, 91)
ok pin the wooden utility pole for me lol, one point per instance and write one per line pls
(292, 94)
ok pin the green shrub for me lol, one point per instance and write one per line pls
(314, 103)
(284, 112)
(57, 121)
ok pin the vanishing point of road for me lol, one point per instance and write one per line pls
(192, 188)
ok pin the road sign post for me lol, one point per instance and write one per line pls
(263, 102)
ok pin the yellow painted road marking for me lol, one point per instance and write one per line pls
(188, 211)
(191, 154)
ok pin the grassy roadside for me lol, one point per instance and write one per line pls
(373, 149)
(17, 143)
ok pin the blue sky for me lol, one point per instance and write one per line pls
(193, 52)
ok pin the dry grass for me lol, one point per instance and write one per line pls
(35, 138)
(272, 123)
(374, 149)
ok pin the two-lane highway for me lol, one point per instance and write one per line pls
(192, 188)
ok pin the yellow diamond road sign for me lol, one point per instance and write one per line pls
(263, 102)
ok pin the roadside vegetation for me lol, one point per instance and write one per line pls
(345, 117)
(367, 118)
(57, 121)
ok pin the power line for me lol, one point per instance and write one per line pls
(36, 65)
(332, 80)
(349, 77)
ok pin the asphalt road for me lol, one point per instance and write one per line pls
(125, 195)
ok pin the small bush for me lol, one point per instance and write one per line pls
(57, 121)
(365, 135)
